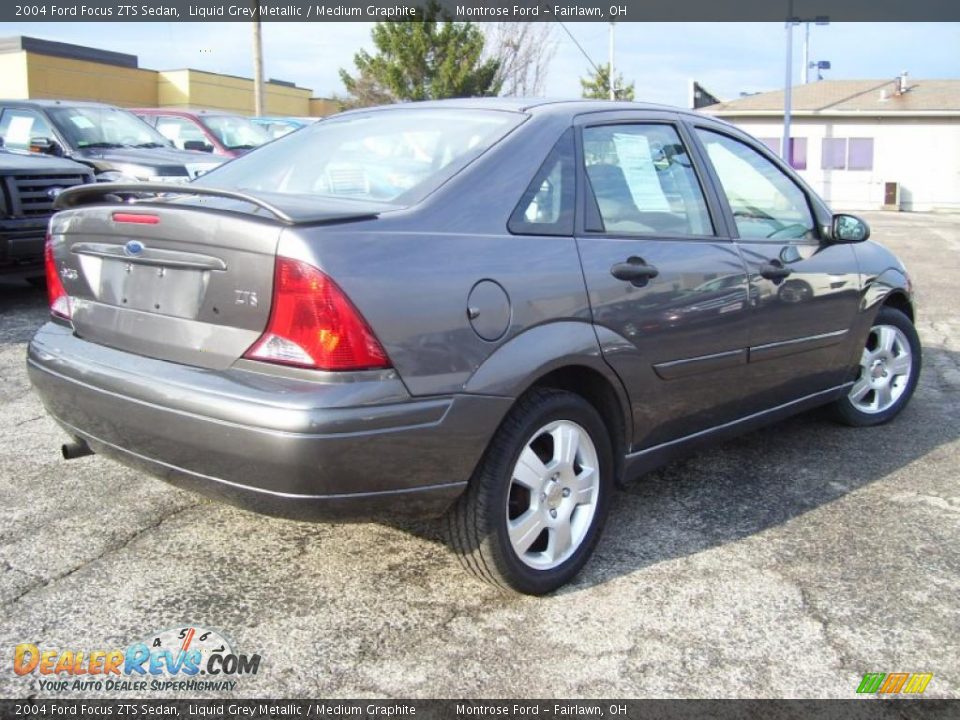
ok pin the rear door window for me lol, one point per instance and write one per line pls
(643, 181)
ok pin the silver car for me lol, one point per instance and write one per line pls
(488, 310)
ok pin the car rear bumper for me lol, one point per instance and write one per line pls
(329, 450)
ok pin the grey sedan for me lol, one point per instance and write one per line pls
(488, 310)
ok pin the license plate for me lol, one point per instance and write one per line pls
(152, 288)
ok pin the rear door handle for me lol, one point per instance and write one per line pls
(774, 270)
(635, 271)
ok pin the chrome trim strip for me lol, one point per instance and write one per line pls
(674, 369)
(770, 351)
(150, 256)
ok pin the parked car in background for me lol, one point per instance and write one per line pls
(529, 303)
(116, 144)
(29, 184)
(280, 126)
(209, 131)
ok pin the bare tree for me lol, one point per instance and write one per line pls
(524, 51)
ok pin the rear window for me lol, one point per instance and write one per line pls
(391, 156)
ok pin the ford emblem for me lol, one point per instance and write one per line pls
(54, 192)
(134, 247)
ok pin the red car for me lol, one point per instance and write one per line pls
(211, 131)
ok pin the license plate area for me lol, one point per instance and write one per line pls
(177, 292)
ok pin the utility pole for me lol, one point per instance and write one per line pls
(805, 70)
(258, 109)
(610, 78)
(787, 90)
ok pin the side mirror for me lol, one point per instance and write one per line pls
(197, 145)
(849, 228)
(45, 145)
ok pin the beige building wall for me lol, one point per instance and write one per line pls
(13, 76)
(322, 107)
(55, 77)
(30, 75)
(199, 89)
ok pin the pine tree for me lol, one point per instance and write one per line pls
(428, 60)
(597, 85)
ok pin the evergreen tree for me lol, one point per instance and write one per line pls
(426, 60)
(597, 85)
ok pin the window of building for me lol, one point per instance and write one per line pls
(798, 150)
(847, 154)
(860, 154)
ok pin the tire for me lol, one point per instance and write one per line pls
(887, 374)
(37, 281)
(538, 497)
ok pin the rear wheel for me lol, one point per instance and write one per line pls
(536, 504)
(887, 374)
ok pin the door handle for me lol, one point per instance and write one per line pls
(774, 270)
(635, 271)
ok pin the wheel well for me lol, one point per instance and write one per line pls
(596, 390)
(899, 301)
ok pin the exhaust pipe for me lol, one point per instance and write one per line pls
(73, 450)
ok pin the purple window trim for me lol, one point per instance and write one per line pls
(798, 153)
(861, 154)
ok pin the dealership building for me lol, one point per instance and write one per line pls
(31, 68)
(865, 144)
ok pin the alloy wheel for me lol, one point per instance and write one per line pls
(884, 373)
(553, 495)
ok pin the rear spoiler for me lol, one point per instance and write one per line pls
(113, 192)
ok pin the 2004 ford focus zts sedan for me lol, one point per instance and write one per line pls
(490, 309)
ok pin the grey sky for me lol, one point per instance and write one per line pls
(728, 58)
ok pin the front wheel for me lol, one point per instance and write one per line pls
(887, 374)
(536, 504)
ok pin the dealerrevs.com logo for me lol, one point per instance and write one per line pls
(185, 659)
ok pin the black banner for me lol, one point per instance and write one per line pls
(861, 709)
(478, 11)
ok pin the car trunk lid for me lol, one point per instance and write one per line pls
(173, 283)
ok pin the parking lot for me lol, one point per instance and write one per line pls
(786, 563)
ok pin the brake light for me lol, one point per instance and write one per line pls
(314, 325)
(136, 218)
(57, 295)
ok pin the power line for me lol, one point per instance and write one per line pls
(579, 47)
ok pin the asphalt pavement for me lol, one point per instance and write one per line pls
(786, 563)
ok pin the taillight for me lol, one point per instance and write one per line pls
(314, 325)
(57, 295)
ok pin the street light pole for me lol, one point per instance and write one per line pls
(257, 63)
(610, 78)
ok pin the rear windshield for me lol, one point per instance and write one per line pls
(393, 156)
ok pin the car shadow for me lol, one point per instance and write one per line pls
(760, 480)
